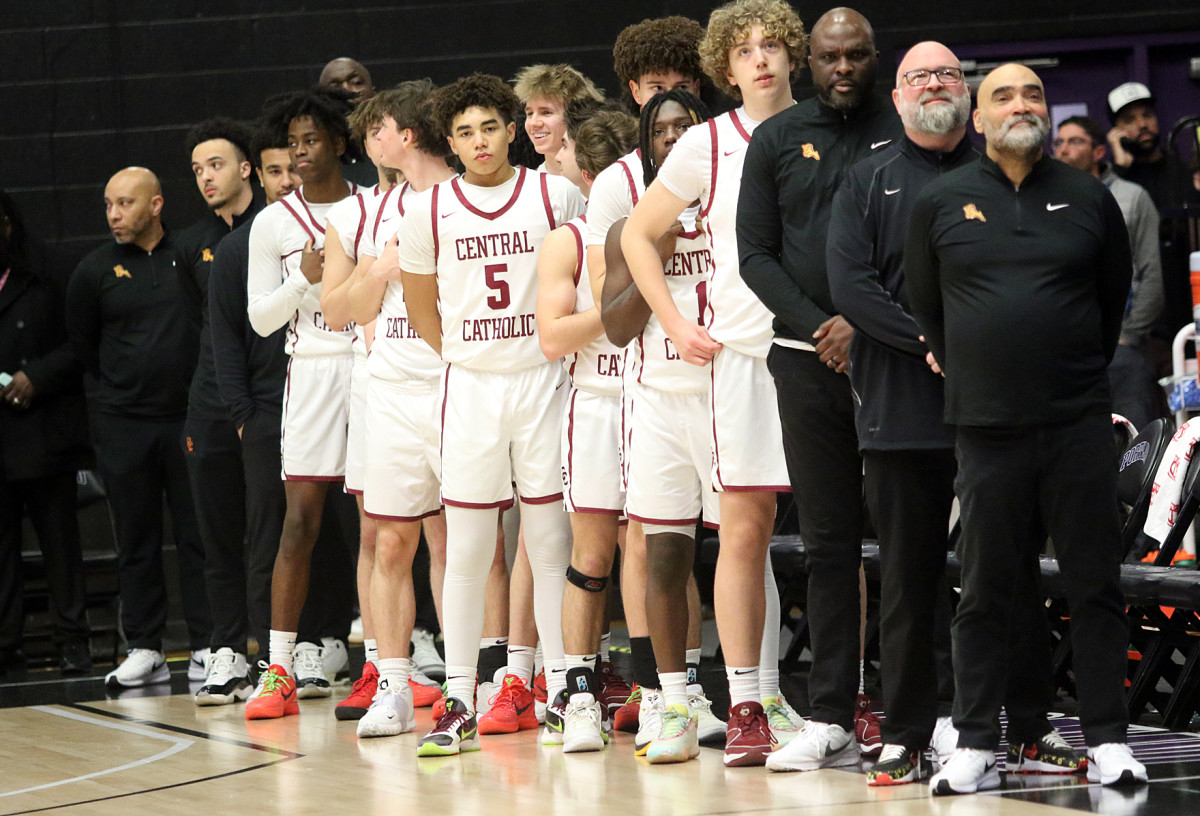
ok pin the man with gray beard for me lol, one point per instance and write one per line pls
(908, 451)
(1018, 268)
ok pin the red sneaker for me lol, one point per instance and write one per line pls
(274, 697)
(747, 737)
(425, 696)
(439, 708)
(614, 689)
(866, 728)
(511, 709)
(626, 717)
(356, 705)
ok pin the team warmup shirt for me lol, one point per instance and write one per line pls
(277, 292)
(351, 217)
(654, 360)
(398, 352)
(706, 164)
(597, 366)
(482, 243)
(1020, 291)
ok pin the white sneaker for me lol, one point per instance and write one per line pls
(336, 661)
(782, 720)
(198, 664)
(818, 745)
(228, 679)
(309, 672)
(709, 728)
(968, 770)
(582, 728)
(425, 657)
(142, 667)
(356, 631)
(1113, 764)
(391, 713)
(484, 692)
(944, 740)
(649, 721)
(677, 739)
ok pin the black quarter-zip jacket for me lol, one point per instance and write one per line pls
(1020, 291)
(196, 249)
(900, 399)
(133, 318)
(794, 164)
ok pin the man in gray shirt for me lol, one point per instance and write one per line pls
(1081, 143)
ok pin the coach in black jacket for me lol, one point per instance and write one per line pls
(794, 164)
(1018, 270)
(43, 438)
(908, 449)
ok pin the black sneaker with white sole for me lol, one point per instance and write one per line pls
(898, 765)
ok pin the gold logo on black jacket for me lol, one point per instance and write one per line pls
(973, 214)
(121, 272)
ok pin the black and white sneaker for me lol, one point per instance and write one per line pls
(1113, 764)
(898, 765)
(967, 771)
(309, 671)
(142, 667)
(228, 679)
(1049, 755)
(198, 665)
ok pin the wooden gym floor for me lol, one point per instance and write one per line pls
(157, 753)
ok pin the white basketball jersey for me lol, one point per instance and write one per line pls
(597, 366)
(277, 239)
(398, 352)
(706, 164)
(617, 189)
(351, 217)
(483, 243)
(655, 361)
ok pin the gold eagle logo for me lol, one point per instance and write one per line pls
(810, 152)
(121, 272)
(973, 214)
(206, 255)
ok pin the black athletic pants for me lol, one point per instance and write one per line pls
(816, 411)
(140, 460)
(1010, 480)
(49, 502)
(214, 458)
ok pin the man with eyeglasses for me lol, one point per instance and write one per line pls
(1081, 143)
(908, 451)
(1018, 269)
(794, 164)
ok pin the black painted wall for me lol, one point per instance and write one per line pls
(90, 86)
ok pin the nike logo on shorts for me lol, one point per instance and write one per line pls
(1052, 207)
(891, 192)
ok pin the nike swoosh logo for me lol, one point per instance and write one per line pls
(447, 215)
(730, 152)
(468, 734)
(880, 144)
(1053, 207)
(287, 695)
(728, 756)
(742, 671)
(891, 192)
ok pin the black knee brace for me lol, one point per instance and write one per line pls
(586, 582)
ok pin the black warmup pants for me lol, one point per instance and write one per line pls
(816, 411)
(909, 494)
(214, 457)
(140, 460)
(50, 504)
(1010, 480)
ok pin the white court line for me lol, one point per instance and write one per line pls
(178, 744)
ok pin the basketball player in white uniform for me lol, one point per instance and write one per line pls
(283, 288)
(468, 252)
(754, 60)
(569, 328)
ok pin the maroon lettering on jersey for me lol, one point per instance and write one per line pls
(474, 247)
(690, 262)
(499, 328)
(608, 365)
(669, 349)
(399, 328)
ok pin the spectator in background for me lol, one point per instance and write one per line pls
(349, 75)
(1138, 156)
(1081, 143)
(133, 318)
(43, 439)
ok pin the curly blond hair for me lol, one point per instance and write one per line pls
(732, 21)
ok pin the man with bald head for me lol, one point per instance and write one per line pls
(133, 318)
(908, 451)
(349, 75)
(1018, 268)
(794, 164)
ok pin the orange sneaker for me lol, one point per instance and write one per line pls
(274, 697)
(614, 689)
(356, 705)
(511, 709)
(425, 696)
